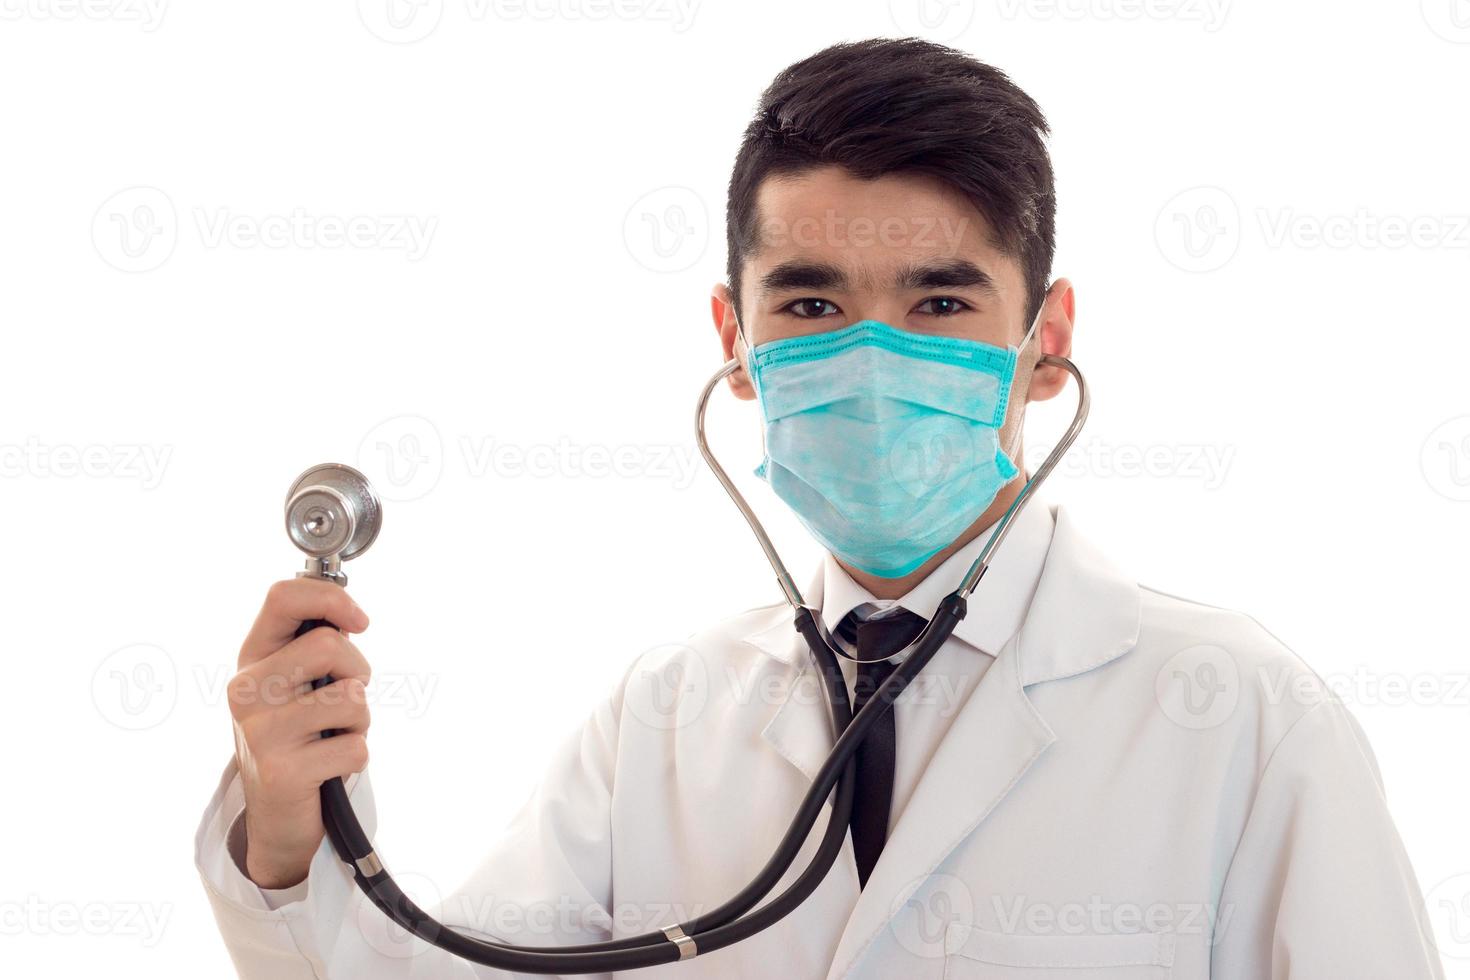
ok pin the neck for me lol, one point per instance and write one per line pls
(895, 588)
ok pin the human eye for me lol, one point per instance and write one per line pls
(942, 306)
(810, 308)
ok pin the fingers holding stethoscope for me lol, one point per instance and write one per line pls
(318, 653)
(291, 602)
(273, 691)
(339, 757)
(280, 719)
(340, 707)
(281, 684)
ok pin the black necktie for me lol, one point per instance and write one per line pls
(875, 639)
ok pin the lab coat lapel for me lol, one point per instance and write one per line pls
(993, 741)
(799, 730)
(1084, 614)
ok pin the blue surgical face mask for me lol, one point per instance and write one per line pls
(886, 443)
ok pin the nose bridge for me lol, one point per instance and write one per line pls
(874, 298)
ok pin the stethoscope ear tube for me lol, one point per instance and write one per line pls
(726, 925)
(714, 930)
(733, 921)
(350, 841)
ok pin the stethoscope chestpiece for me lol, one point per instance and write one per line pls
(332, 514)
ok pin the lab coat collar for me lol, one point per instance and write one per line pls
(1083, 613)
(1002, 597)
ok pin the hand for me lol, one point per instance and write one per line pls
(279, 720)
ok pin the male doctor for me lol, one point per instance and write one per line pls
(1092, 780)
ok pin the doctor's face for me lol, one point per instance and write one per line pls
(909, 251)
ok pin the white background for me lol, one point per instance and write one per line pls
(1235, 181)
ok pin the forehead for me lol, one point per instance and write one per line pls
(872, 228)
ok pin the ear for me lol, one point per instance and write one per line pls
(1058, 313)
(731, 345)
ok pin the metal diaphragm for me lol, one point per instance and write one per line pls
(332, 510)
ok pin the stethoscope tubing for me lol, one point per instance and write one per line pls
(733, 921)
(728, 924)
(713, 930)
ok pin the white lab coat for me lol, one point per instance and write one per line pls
(1139, 787)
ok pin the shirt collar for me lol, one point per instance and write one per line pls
(1000, 602)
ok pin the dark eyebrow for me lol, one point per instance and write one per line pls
(954, 274)
(803, 275)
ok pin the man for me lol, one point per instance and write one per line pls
(1091, 779)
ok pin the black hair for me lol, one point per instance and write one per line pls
(887, 106)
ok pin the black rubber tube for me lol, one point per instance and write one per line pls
(726, 925)
(340, 836)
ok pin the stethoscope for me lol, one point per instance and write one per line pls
(333, 515)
